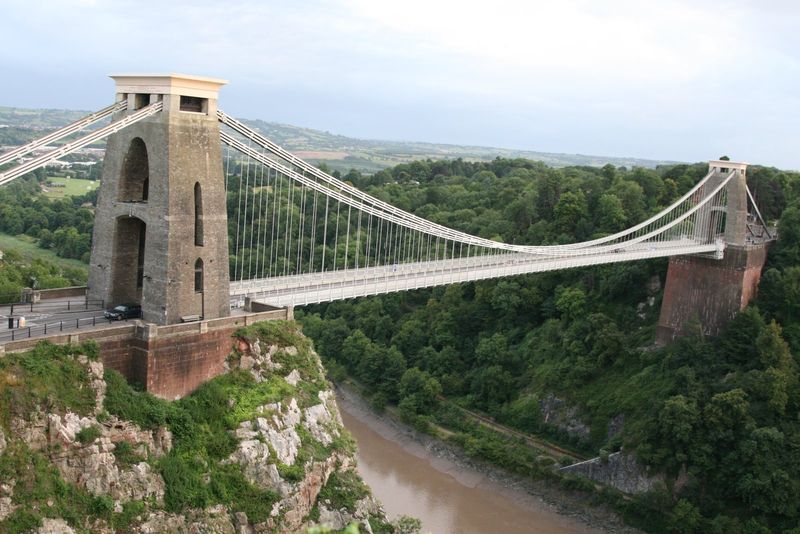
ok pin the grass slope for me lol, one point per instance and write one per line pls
(27, 247)
(72, 187)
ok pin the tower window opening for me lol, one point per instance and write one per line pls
(198, 276)
(198, 215)
(194, 104)
(141, 100)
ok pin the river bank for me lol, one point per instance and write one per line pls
(451, 492)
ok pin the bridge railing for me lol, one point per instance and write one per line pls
(84, 304)
(45, 329)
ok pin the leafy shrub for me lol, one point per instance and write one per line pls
(378, 402)
(142, 408)
(407, 525)
(577, 483)
(130, 511)
(343, 490)
(88, 434)
(126, 455)
(229, 486)
(291, 473)
(185, 484)
(49, 375)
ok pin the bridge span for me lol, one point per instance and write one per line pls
(198, 213)
(314, 288)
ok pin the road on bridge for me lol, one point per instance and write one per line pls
(49, 317)
(298, 290)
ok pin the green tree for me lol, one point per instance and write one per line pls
(678, 423)
(492, 386)
(419, 390)
(570, 209)
(610, 213)
(767, 482)
(570, 302)
(631, 195)
(686, 518)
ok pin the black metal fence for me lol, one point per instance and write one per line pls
(51, 328)
(59, 305)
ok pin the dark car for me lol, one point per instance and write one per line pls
(123, 311)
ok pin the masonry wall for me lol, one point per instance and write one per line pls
(177, 365)
(57, 293)
(169, 361)
(178, 150)
(712, 291)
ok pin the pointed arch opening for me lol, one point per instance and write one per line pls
(134, 182)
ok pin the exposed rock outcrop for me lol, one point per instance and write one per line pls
(55, 526)
(338, 519)
(287, 445)
(7, 506)
(619, 470)
(93, 466)
(557, 412)
(274, 438)
(215, 519)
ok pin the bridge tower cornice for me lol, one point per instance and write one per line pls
(179, 92)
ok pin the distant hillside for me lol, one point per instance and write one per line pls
(18, 125)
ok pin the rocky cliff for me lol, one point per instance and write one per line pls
(619, 470)
(258, 449)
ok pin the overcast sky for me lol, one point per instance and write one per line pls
(667, 79)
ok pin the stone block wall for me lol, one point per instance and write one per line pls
(711, 290)
(169, 361)
(177, 365)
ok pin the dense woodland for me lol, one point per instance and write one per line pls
(719, 416)
(61, 225)
(16, 272)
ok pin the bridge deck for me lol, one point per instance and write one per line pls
(298, 290)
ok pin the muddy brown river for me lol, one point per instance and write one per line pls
(448, 498)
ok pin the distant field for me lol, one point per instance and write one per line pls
(26, 246)
(72, 187)
(338, 152)
(320, 154)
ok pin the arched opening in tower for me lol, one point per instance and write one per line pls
(128, 275)
(134, 182)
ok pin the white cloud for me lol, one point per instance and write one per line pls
(639, 42)
(571, 75)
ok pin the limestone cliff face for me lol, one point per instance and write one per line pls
(619, 470)
(279, 461)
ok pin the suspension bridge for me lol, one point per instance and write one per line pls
(199, 213)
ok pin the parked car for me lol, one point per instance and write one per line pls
(123, 311)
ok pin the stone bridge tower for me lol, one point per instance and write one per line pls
(713, 290)
(160, 234)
